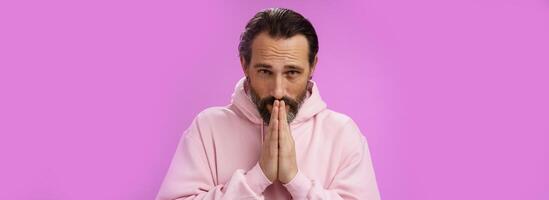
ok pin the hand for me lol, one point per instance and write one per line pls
(277, 158)
(268, 158)
(287, 164)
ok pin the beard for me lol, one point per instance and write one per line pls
(293, 105)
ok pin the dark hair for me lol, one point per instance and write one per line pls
(278, 22)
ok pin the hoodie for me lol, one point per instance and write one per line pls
(217, 156)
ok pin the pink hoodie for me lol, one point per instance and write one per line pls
(217, 157)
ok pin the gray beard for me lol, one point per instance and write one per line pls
(261, 104)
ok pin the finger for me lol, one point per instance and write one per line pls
(274, 111)
(267, 134)
(282, 119)
(274, 124)
(283, 116)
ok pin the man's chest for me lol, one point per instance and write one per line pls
(240, 149)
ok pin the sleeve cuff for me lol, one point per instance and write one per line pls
(257, 180)
(299, 186)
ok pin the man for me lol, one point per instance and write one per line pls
(277, 139)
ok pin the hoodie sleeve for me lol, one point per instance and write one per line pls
(191, 177)
(355, 178)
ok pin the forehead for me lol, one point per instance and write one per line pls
(286, 50)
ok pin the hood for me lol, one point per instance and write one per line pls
(244, 106)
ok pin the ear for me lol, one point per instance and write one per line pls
(313, 67)
(243, 64)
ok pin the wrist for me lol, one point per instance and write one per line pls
(288, 177)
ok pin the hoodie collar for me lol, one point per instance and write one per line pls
(244, 105)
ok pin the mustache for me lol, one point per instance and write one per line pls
(270, 101)
(261, 104)
(291, 104)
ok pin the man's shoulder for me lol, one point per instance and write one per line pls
(334, 118)
(215, 113)
(340, 124)
(206, 119)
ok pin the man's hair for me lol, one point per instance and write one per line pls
(279, 23)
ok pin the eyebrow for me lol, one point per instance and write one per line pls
(263, 65)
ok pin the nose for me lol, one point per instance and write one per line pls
(279, 89)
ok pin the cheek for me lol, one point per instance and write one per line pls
(297, 89)
(260, 87)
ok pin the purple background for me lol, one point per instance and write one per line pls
(452, 95)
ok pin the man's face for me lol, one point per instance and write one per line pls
(279, 69)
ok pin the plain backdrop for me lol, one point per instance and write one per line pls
(452, 95)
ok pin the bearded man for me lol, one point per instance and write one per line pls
(276, 139)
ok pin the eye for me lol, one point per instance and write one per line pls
(264, 72)
(293, 73)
